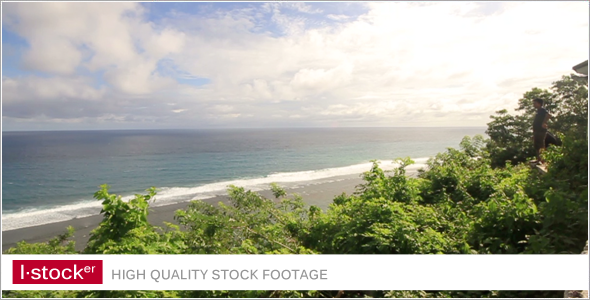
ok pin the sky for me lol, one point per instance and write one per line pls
(155, 65)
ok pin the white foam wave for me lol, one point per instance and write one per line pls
(171, 195)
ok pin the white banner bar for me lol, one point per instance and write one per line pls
(314, 272)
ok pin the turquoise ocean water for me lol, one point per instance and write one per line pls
(51, 176)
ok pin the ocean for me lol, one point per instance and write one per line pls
(51, 176)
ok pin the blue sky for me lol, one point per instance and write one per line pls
(12, 47)
(298, 64)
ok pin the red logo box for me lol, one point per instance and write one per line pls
(57, 272)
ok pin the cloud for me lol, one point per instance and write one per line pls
(55, 31)
(296, 6)
(320, 80)
(49, 89)
(338, 17)
(301, 7)
(59, 56)
(119, 42)
(138, 78)
(304, 63)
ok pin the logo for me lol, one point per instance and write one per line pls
(57, 271)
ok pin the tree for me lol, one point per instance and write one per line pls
(125, 228)
(511, 135)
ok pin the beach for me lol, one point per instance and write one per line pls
(51, 177)
(313, 193)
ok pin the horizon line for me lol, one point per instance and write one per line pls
(234, 128)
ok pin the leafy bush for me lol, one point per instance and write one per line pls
(58, 245)
(250, 224)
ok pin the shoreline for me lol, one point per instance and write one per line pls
(313, 192)
(36, 216)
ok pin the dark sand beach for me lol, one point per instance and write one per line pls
(314, 193)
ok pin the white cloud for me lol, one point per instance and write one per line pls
(56, 30)
(338, 17)
(319, 80)
(166, 42)
(49, 89)
(137, 77)
(301, 7)
(401, 61)
(296, 6)
(55, 55)
(113, 33)
(223, 108)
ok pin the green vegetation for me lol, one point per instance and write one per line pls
(511, 135)
(479, 199)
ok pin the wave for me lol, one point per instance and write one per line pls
(172, 195)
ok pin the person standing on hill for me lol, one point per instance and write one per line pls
(540, 128)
